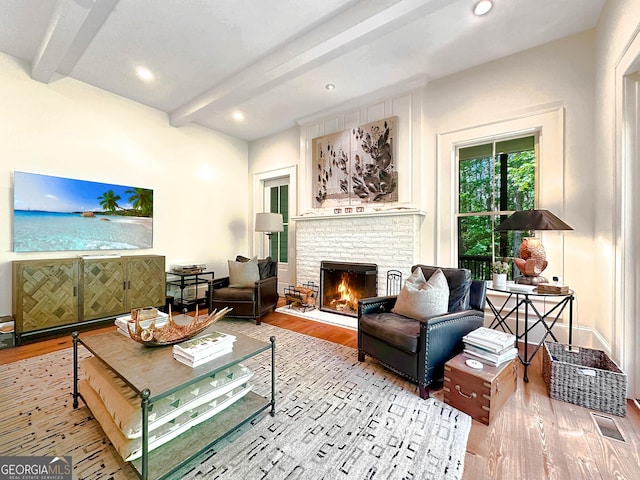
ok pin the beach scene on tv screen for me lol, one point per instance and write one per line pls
(57, 214)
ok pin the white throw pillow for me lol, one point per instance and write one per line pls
(243, 274)
(420, 298)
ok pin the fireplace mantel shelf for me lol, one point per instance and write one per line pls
(370, 213)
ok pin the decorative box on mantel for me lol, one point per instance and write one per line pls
(388, 237)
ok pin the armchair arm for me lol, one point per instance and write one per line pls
(478, 294)
(433, 322)
(376, 304)
(221, 282)
(441, 338)
(267, 286)
(267, 293)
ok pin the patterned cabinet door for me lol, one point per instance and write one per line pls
(103, 286)
(145, 281)
(45, 293)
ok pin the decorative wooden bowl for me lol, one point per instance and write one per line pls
(171, 332)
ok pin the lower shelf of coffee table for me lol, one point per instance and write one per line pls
(176, 456)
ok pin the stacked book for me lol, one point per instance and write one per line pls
(122, 322)
(203, 349)
(489, 346)
(188, 269)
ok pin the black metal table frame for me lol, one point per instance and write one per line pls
(143, 471)
(523, 298)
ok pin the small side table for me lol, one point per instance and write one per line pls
(548, 319)
(189, 282)
(480, 393)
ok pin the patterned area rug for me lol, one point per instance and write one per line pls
(335, 418)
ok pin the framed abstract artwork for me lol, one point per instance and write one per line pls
(356, 166)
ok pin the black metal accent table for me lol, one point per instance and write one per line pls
(153, 373)
(190, 280)
(526, 299)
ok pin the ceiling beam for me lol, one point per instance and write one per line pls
(73, 26)
(347, 30)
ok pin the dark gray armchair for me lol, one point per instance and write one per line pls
(248, 302)
(418, 349)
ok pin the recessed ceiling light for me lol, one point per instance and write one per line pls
(238, 116)
(483, 7)
(329, 86)
(145, 74)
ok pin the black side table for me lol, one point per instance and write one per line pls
(189, 281)
(547, 319)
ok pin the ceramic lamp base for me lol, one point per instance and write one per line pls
(527, 280)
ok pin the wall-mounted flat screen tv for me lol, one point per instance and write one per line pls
(52, 214)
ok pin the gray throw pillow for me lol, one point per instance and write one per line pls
(243, 274)
(264, 267)
(420, 298)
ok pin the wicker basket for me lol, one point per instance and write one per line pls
(585, 377)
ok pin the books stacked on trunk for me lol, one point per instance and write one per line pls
(203, 349)
(489, 346)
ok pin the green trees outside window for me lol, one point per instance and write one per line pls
(494, 180)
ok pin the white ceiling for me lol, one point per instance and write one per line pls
(271, 59)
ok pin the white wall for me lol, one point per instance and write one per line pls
(268, 157)
(618, 26)
(69, 129)
(559, 76)
(275, 152)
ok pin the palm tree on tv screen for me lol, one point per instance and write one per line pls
(142, 200)
(109, 201)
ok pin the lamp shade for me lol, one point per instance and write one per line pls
(269, 222)
(532, 220)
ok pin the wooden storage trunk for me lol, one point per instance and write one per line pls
(479, 393)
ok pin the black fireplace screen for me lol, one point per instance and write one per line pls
(343, 284)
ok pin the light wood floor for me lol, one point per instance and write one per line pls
(533, 437)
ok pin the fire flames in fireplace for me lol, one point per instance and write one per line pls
(343, 284)
(345, 300)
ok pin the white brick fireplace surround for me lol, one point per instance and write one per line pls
(390, 239)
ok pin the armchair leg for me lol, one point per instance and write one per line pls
(258, 320)
(424, 391)
(360, 356)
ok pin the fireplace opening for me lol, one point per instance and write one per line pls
(343, 284)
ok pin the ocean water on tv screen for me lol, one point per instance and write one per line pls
(36, 231)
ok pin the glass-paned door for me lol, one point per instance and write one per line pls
(277, 193)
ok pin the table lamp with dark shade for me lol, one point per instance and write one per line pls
(269, 223)
(533, 259)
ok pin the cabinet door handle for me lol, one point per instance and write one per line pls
(473, 394)
(75, 291)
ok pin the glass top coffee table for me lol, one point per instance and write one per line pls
(153, 373)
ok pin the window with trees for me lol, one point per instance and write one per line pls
(494, 180)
